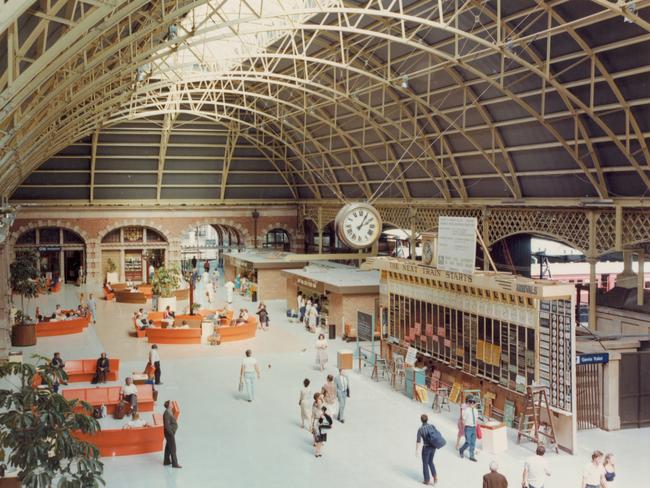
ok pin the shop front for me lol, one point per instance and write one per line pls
(262, 269)
(130, 251)
(61, 252)
(340, 291)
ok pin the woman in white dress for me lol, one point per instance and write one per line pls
(321, 351)
(312, 318)
(305, 403)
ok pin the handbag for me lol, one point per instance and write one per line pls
(241, 386)
(479, 432)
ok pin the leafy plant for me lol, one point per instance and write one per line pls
(196, 306)
(25, 277)
(21, 318)
(165, 281)
(36, 429)
(111, 267)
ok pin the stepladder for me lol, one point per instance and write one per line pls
(536, 420)
(441, 400)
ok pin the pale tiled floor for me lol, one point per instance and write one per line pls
(224, 441)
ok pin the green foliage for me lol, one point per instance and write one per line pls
(25, 276)
(36, 427)
(111, 267)
(165, 281)
(21, 318)
(196, 306)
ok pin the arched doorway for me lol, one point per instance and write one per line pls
(277, 239)
(132, 249)
(61, 252)
(207, 243)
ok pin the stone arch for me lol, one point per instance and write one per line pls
(64, 224)
(243, 231)
(135, 222)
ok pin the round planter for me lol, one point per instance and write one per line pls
(23, 335)
(163, 302)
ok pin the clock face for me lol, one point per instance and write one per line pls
(359, 225)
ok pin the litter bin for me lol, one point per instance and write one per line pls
(332, 331)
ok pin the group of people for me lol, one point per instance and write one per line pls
(84, 309)
(308, 311)
(315, 407)
(599, 473)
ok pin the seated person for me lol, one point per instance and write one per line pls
(243, 317)
(38, 314)
(108, 286)
(59, 314)
(130, 395)
(135, 422)
(141, 317)
(168, 316)
(102, 369)
(224, 313)
(184, 325)
(54, 282)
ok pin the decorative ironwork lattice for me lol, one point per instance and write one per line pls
(636, 227)
(568, 226)
(397, 216)
(426, 219)
(605, 231)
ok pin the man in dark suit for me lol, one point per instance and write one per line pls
(170, 426)
(494, 479)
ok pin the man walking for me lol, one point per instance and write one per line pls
(342, 393)
(536, 469)
(470, 416)
(494, 479)
(92, 307)
(154, 359)
(170, 427)
(424, 440)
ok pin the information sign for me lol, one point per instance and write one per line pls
(457, 244)
(364, 326)
(599, 358)
(411, 356)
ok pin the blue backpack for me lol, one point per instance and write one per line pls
(434, 438)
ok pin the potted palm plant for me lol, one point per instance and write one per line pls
(166, 280)
(25, 281)
(37, 426)
(112, 275)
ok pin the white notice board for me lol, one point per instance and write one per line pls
(457, 244)
(411, 356)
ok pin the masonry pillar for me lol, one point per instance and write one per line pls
(611, 415)
(626, 279)
(5, 302)
(592, 292)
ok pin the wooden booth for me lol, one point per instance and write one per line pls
(341, 292)
(263, 269)
(494, 332)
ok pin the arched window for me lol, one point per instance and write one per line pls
(278, 239)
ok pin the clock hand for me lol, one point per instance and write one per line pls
(362, 222)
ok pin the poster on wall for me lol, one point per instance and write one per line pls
(457, 244)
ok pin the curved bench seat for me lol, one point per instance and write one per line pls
(110, 397)
(125, 296)
(62, 327)
(174, 336)
(79, 370)
(127, 442)
(232, 333)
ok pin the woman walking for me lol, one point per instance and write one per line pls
(610, 470)
(304, 403)
(263, 315)
(329, 390)
(249, 369)
(321, 351)
(312, 317)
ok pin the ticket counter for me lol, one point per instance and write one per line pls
(341, 291)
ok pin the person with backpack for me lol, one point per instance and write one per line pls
(428, 440)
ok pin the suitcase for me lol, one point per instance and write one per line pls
(122, 409)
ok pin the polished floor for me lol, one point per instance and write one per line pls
(225, 441)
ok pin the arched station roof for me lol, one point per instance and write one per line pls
(462, 101)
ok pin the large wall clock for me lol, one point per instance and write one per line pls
(358, 225)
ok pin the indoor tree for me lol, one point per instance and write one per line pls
(25, 280)
(36, 429)
(165, 281)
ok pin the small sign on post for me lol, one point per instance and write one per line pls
(596, 358)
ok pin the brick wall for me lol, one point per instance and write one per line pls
(271, 285)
